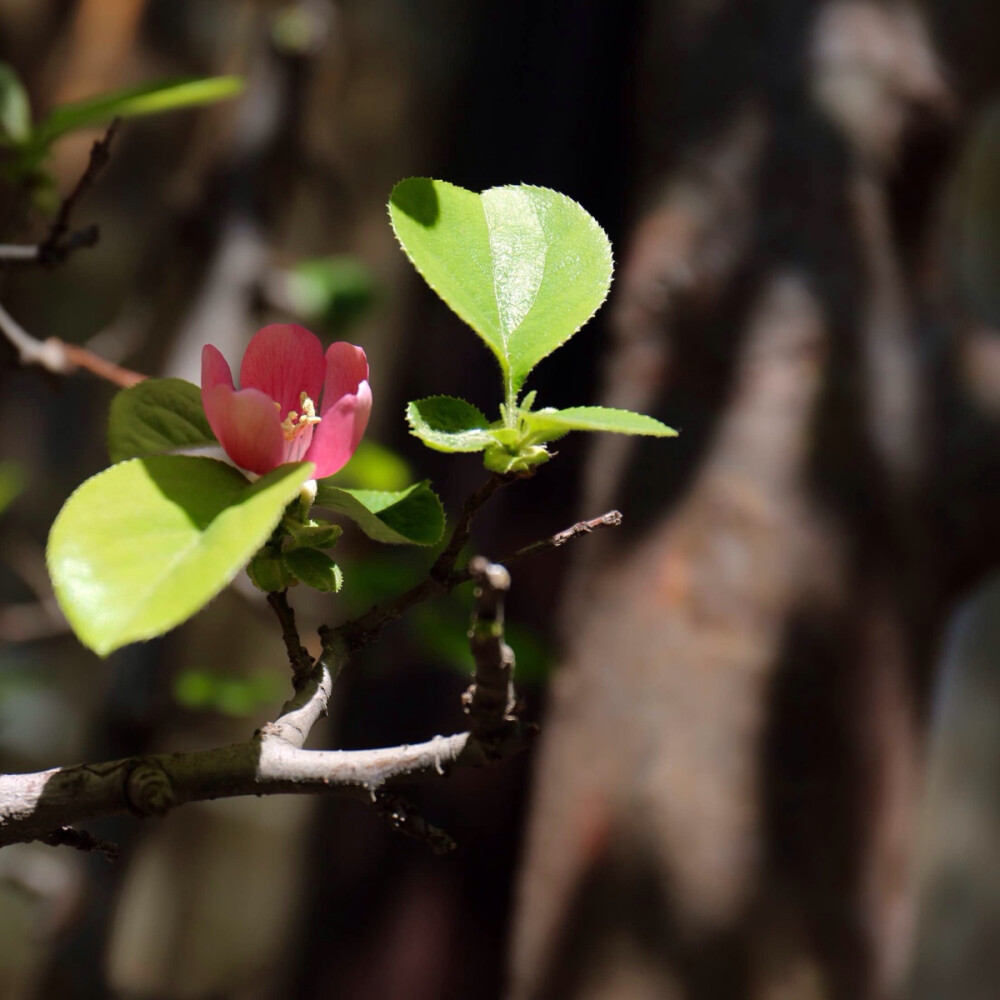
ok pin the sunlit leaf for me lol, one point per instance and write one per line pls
(142, 546)
(148, 99)
(524, 266)
(546, 425)
(448, 424)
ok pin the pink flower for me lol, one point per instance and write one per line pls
(273, 418)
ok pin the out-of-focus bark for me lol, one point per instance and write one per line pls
(725, 798)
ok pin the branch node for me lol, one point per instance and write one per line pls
(148, 790)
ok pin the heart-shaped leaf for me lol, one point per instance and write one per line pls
(142, 546)
(546, 425)
(448, 424)
(524, 266)
(411, 516)
(155, 416)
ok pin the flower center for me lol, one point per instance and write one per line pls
(296, 423)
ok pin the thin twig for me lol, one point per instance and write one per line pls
(298, 656)
(439, 580)
(60, 358)
(54, 248)
(612, 519)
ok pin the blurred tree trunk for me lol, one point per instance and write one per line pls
(725, 797)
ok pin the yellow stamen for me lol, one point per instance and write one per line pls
(295, 423)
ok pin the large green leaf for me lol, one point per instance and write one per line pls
(445, 423)
(524, 266)
(142, 546)
(414, 515)
(155, 416)
(545, 425)
(149, 99)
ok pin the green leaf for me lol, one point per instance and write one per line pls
(545, 425)
(334, 291)
(149, 99)
(142, 546)
(313, 535)
(373, 467)
(315, 569)
(448, 424)
(155, 416)
(412, 516)
(15, 109)
(524, 266)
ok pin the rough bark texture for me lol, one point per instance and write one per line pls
(754, 666)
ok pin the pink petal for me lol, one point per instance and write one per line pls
(338, 434)
(247, 425)
(346, 369)
(283, 361)
(214, 369)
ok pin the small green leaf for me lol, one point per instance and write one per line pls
(448, 424)
(546, 425)
(315, 569)
(268, 572)
(149, 99)
(142, 546)
(155, 416)
(505, 461)
(15, 109)
(524, 266)
(314, 535)
(411, 516)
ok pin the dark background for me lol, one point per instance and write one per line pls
(770, 752)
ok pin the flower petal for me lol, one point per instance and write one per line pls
(283, 361)
(247, 425)
(346, 369)
(214, 369)
(338, 434)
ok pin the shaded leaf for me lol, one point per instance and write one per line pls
(155, 416)
(413, 515)
(315, 569)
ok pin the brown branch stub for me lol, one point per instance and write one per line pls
(404, 818)
(490, 700)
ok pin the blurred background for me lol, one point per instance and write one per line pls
(770, 760)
